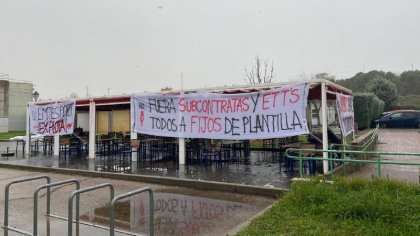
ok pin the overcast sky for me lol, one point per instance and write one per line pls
(131, 46)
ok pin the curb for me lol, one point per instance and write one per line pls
(188, 183)
(248, 222)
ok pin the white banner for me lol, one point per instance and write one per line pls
(272, 113)
(345, 113)
(52, 119)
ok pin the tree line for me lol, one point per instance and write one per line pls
(389, 87)
(407, 83)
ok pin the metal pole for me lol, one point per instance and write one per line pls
(48, 213)
(126, 195)
(300, 163)
(28, 134)
(324, 125)
(6, 196)
(70, 205)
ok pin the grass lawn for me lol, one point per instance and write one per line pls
(11, 134)
(346, 207)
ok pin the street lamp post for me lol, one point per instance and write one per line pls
(35, 95)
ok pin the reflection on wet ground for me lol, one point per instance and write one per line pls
(175, 214)
(259, 169)
(177, 210)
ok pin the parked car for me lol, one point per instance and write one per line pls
(398, 119)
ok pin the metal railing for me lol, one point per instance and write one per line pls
(363, 147)
(48, 213)
(126, 195)
(6, 202)
(303, 157)
(366, 146)
(74, 194)
(77, 193)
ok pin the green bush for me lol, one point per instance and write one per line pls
(367, 106)
(378, 107)
(407, 102)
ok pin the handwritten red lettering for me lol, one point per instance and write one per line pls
(295, 93)
(52, 127)
(264, 101)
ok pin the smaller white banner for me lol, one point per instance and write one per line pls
(52, 119)
(345, 113)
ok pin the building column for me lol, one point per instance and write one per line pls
(133, 136)
(181, 151)
(56, 145)
(92, 129)
(324, 125)
(181, 141)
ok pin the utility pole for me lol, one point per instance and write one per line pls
(181, 141)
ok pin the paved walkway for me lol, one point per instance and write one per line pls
(396, 140)
(178, 211)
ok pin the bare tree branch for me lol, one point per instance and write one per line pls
(262, 72)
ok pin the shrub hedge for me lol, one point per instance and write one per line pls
(407, 102)
(367, 106)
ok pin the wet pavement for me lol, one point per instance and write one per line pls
(396, 140)
(178, 211)
(259, 169)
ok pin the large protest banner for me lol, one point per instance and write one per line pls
(272, 113)
(52, 119)
(345, 113)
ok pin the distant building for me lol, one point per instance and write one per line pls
(14, 98)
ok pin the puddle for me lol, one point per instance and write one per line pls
(176, 214)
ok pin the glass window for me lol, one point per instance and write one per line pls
(410, 115)
(396, 115)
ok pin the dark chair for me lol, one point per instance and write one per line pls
(64, 147)
(48, 144)
(124, 157)
(158, 150)
(311, 164)
(193, 151)
(211, 154)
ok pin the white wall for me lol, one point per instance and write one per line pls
(19, 96)
(4, 125)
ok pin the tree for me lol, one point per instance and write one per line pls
(325, 76)
(166, 89)
(73, 95)
(409, 83)
(384, 90)
(261, 73)
(359, 82)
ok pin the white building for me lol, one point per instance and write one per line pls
(14, 98)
